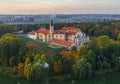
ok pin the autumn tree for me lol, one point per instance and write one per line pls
(27, 67)
(32, 48)
(118, 37)
(20, 67)
(12, 61)
(83, 50)
(10, 45)
(103, 41)
(27, 61)
(58, 67)
(37, 57)
(34, 71)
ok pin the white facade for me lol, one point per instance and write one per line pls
(32, 36)
(65, 34)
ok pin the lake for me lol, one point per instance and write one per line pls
(110, 78)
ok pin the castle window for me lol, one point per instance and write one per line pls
(60, 36)
(56, 36)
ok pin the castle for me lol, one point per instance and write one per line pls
(66, 36)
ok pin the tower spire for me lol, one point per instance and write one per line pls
(51, 26)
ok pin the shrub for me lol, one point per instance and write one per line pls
(12, 61)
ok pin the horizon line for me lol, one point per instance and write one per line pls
(64, 14)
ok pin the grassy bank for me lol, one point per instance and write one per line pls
(49, 49)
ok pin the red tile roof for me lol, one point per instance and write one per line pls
(43, 31)
(59, 32)
(31, 33)
(69, 30)
(62, 42)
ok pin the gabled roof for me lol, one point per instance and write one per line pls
(59, 32)
(62, 42)
(31, 33)
(68, 30)
(43, 31)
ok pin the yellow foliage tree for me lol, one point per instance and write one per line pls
(103, 41)
(27, 62)
(43, 58)
(58, 67)
(83, 50)
(21, 67)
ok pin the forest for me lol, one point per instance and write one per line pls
(22, 60)
(25, 61)
(109, 28)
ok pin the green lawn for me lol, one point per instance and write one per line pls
(49, 49)
(54, 46)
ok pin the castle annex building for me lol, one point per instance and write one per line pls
(66, 36)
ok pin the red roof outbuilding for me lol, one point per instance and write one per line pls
(62, 42)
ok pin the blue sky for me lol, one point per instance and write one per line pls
(59, 6)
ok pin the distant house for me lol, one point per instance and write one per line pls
(66, 36)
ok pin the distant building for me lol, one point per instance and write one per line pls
(20, 32)
(66, 36)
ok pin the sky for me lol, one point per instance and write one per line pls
(59, 6)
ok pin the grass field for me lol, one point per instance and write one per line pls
(49, 49)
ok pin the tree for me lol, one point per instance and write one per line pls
(21, 67)
(58, 67)
(82, 69)
(66, 66)
(118, 37)
(103, 41)
(27, 61)
(34, 71)
(37, 57)
(74, 48)
(118, 63)
(91, 58)
(10, 45)
(32, 48)
(83, 50)
(43, 58)
(27, 66)
(12, 61)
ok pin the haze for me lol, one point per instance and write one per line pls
(59, 6)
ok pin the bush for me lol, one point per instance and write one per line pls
(12, 61)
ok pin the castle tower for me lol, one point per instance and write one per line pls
(51, 29)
